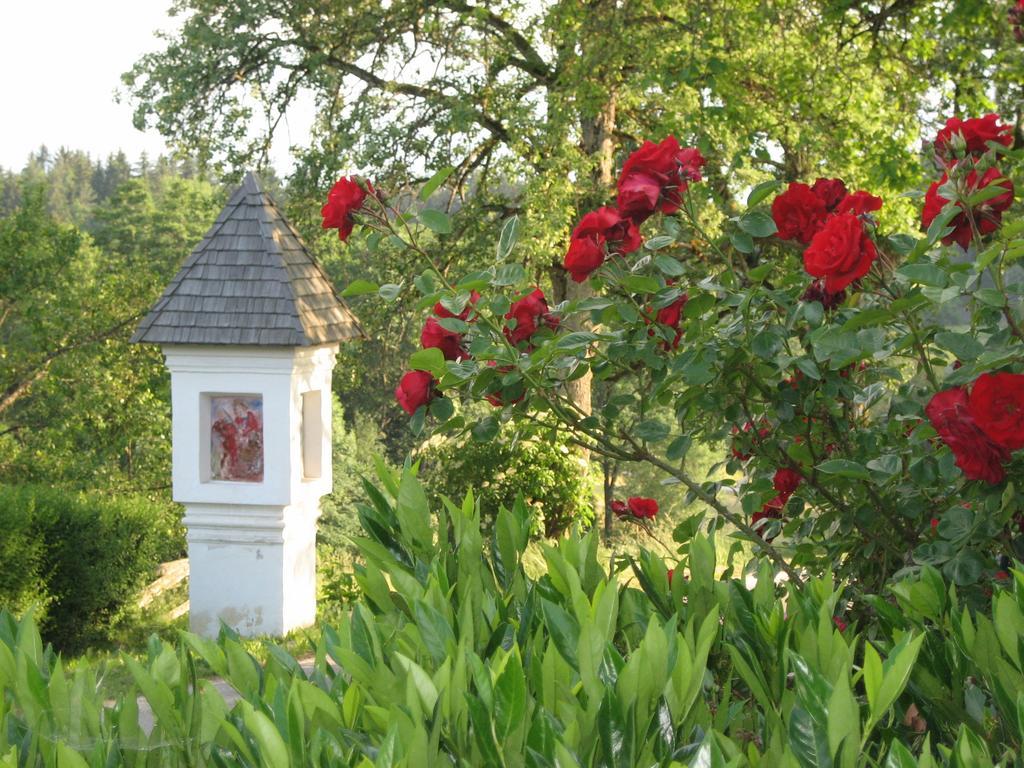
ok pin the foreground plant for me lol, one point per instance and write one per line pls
(454, 656)
(848, 347)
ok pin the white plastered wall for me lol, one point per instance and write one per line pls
(252, 555)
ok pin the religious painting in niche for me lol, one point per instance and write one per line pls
(236, 438)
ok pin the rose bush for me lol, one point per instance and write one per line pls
(880, 368)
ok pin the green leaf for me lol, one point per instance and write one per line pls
(759, 273)
(925, 274)
(668, 266)
(678, 448)
(509, 698)
(761, 191)
(389, 291)
(963, 345)
(986, 193)
(508, 238)
(430, 359)
(435, 182)
(508, 274)
(741, 241)
(659, 242)
(273, 752)
(436, 221)
(486, 429)
(640, 284)
(651, 430)
(991, 296)
(757, 224)
(844, 468)
(359, 288)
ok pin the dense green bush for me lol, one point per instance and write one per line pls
(79, 558)
(454, 656)
(547, 473)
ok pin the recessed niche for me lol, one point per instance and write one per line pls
(233, 430)
(312, 431)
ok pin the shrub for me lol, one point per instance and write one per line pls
(84, 557)
(546, 472)
(454, 656)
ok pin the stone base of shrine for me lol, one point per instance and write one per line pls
(251, 567)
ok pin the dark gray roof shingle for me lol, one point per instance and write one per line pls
(249, 281)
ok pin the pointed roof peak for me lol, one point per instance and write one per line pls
(250, 281)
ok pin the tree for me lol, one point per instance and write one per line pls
(535, 103)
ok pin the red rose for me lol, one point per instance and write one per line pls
(831, 192)
(987, 215)
(975, 133)
(816, 292)
(798, 213)
(786, 481)
(841, 252)
(672, 316)
(619, 508)
(436, 335)
(859, 203)
(415, 389)
(345, 197)
(996, 404)
(529, 312)
(642, 507)
(442, 313)
(976, 454)
(655, 176)
(605, 227)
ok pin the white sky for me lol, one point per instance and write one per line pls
(60, 63)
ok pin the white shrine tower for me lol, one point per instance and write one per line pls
(250, 327)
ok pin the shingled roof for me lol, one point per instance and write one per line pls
(250, 281)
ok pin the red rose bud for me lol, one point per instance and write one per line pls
(643, 508)
(415, 389)
(973, 135)
(655, 176)
(530, 313)
(798, 213)
(988, 216)
(1000, 576)
(840, 624)
(669, 573)
(859, 203)
(816, 292)
(772, 510)
(831, 192)
(619, 508)
(443, 313)
(977, 455)
(935, 524)
(742, 441)
(345, 198)
(672, 316)
(996, 404)
(841, 252)
(497, 398)
(436, 335)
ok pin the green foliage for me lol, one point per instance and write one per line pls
(454, 656)
(545, 472)
(80, 559)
